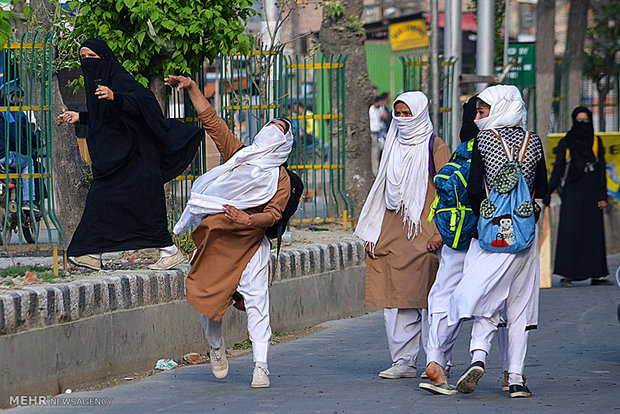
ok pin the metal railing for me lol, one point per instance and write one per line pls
(416, 77)
(27, 206)
(252, 89)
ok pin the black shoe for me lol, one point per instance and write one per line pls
(566, 283)
(519, 391)
(468, 381)
(601, 282)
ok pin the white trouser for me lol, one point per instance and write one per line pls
(441, 336)
(404, 327)
(168, 251)
(254, 287)
(516, 314)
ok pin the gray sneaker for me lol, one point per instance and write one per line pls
(219, 362)
(399, 371)
(260, 377)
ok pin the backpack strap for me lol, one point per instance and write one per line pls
(431, 160)
(504, 145)
(524, 145)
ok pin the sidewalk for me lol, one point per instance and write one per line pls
(573, 366)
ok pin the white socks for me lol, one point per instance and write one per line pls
(168, 251)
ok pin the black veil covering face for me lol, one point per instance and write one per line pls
(469, 129)
(580, 137)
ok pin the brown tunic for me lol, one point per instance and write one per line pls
(402, 274)
(224, 248)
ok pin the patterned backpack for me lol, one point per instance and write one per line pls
(507, 223)
(451, 210)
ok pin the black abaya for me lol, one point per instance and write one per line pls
(580, 252)
(134, 151)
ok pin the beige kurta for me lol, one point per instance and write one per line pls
(402, 274)
(224, 248)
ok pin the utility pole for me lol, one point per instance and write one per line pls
(485, 44)
(456, 36)
(506, 33)
(434, 59)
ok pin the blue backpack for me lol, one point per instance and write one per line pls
(451, 210)
(507, 223)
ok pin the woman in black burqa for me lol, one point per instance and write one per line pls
(580, 175)
(134, 151)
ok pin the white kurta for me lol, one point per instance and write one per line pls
(488, 279)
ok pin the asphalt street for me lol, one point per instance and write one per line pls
(573, 366)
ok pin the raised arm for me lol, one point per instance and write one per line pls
(227, 144)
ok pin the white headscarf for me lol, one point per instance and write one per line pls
(402, 179)
(507, 108)
(248, 179)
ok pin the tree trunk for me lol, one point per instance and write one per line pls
(545, 62)
(70, 186)
(604, 87)
(336, 38)
(159, 90)
(578, 23)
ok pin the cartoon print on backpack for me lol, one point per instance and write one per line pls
(505, 236)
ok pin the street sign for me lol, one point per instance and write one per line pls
(523, 74)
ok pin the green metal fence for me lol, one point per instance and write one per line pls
(416, 77)
(253, 89)
(26, 167)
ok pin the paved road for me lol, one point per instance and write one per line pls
(573, 366)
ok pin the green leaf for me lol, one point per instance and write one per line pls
(130, 3)
(140, 37)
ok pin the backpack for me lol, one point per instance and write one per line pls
(507, 223)
(454, 218)
(277, 230)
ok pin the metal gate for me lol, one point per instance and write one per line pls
(27, 206)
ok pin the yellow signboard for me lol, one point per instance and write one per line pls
(408, 35)
(611, 142)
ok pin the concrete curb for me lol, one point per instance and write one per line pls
(50, 304)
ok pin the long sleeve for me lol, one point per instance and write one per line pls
(541, 187)
(126, 105)
(227, 144)
(274, 208)
(559, 168)
(83, 118)
(475, 184)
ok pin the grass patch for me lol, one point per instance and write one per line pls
(247, 344)
(44, 273)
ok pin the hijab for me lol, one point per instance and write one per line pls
(469, 129)
(248, 179)
(402, 179)
(507, 108)
(581, 135)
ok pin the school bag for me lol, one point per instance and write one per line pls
(297, 188)
(454, 218)
(507, 223)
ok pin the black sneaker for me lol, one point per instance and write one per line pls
(468, 381)
(35, 208)
(519, 391)
(602, 281)
(566, 283)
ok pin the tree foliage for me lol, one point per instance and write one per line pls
(155, 37)
(601, 63)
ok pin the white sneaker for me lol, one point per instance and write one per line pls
(260, 377)
(399, 371)
(169, 262)
(219, 362)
